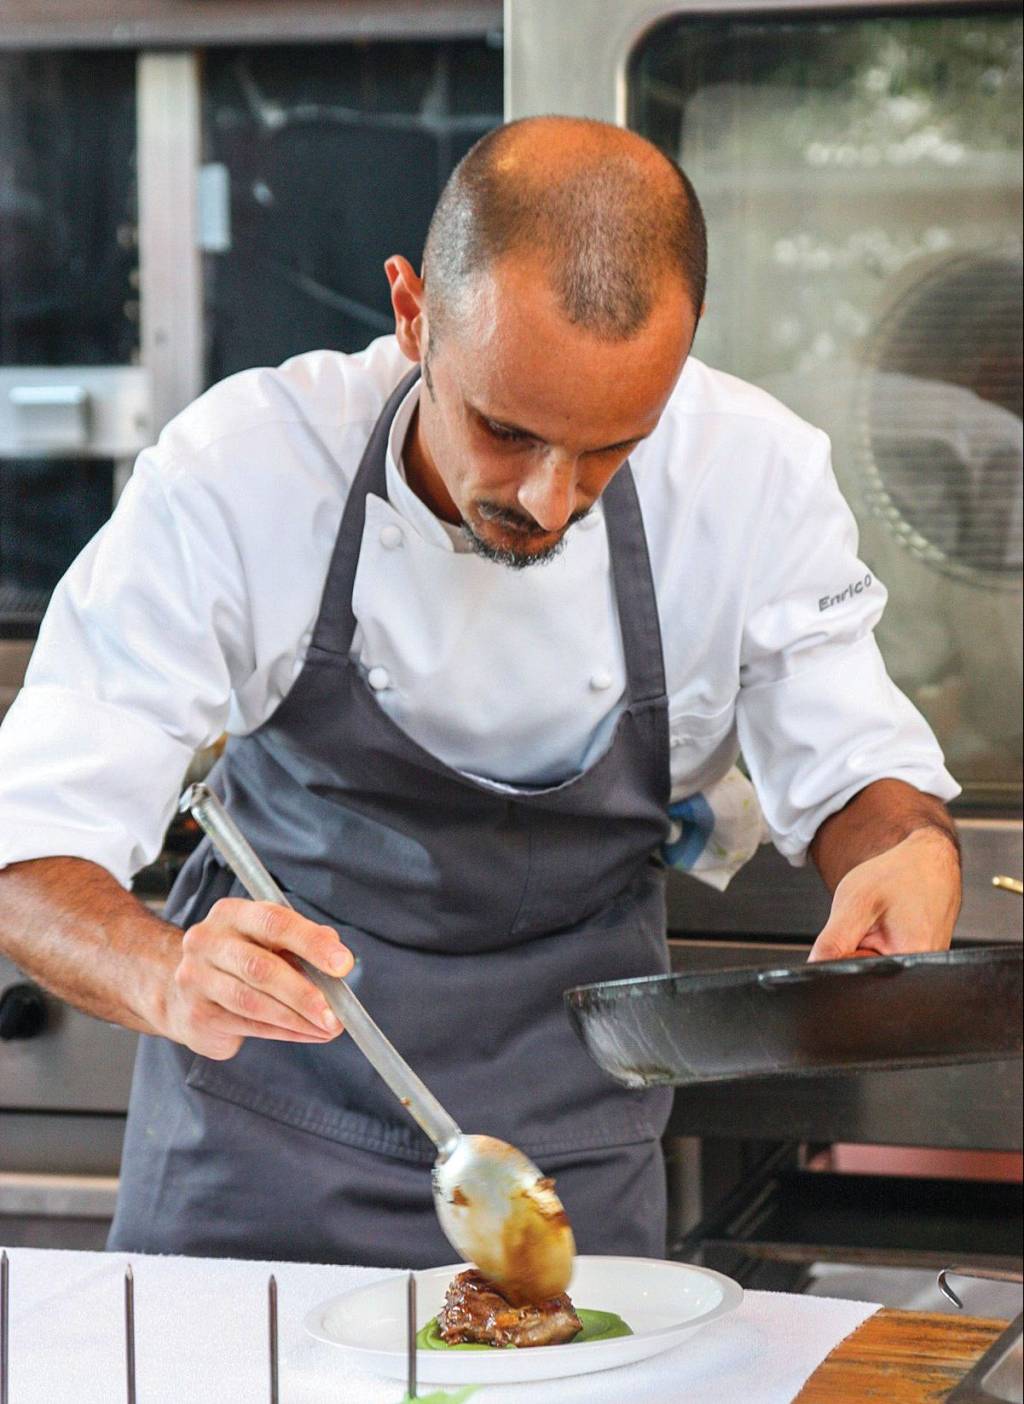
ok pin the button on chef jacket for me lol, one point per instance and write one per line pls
(190, 613)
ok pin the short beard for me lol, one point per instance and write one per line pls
(506, 556)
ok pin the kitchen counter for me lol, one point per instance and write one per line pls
(901, 1357)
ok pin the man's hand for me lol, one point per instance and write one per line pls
(69, 924)
(236, 979)
(892, 857)
(905, 899)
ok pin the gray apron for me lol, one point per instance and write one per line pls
(469, 908)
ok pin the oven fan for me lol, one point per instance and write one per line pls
(938, 417)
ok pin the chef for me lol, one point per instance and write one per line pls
(487, 611)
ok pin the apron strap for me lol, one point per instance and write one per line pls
(336, 622)
(634, 589)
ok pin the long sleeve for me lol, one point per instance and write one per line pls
(818, 716)
(144, 639)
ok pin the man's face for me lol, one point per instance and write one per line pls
(524, 418)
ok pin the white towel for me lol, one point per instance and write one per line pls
(201, 1338)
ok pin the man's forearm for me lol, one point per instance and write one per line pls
(877, 819)
(70, 925)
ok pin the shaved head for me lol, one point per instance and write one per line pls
(561, 288)
(607, 215)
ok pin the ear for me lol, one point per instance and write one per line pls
(408, 302)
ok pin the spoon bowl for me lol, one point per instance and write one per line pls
(498, 1211)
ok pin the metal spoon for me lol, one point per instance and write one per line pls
(495, 1207)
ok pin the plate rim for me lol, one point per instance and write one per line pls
(730, 1289)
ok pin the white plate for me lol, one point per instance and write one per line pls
(663, 1303)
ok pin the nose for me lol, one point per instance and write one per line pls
(549, 492)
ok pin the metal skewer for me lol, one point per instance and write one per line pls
(272, 1336)
(410, 1335)
(129, 1331)
(5, 1339)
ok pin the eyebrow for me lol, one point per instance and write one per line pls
(539, 438)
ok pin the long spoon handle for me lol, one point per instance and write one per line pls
(414, 1095)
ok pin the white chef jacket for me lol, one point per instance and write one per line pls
(189, 614)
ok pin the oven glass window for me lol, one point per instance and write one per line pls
(67, 293)
(332, 159)
(861, 179)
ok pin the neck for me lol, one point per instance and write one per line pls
(421, 472)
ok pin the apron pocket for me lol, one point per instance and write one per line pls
(642, 1119)
(332, 1123)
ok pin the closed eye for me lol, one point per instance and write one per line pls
(505, 434)
(510, 434)
(624, 447)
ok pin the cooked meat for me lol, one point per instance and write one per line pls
(477, 1311)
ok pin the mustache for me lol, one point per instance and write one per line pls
(521, 522)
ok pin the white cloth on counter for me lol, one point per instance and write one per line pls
(191, 611)
(201, 1335)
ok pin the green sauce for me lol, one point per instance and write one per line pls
(597, 1326)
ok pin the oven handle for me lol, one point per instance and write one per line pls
(26, 1193)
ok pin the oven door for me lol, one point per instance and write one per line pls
(100, 332)
(860, 171)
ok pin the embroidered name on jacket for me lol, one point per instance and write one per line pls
(847, 593)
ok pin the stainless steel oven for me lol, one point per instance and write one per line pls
(860, 168)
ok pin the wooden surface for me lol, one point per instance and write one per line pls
(901, 1357)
